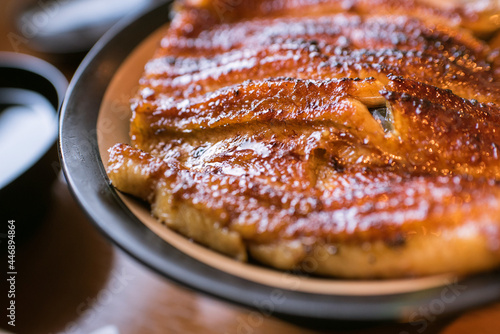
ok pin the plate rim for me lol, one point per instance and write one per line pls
(81, 162)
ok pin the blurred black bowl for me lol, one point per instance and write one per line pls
(31, 92)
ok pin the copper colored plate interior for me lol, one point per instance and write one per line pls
(113, 127)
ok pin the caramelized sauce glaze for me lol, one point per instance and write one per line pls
(329, 121)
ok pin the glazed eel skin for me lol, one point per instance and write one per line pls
(355, 139)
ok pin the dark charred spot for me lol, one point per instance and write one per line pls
(337, 164)
(396, 242)
(319, 153)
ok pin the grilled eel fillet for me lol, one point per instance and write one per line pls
(336, 142)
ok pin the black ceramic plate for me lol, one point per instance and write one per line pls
(87, 178)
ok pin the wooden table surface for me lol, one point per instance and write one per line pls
(72, 280)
